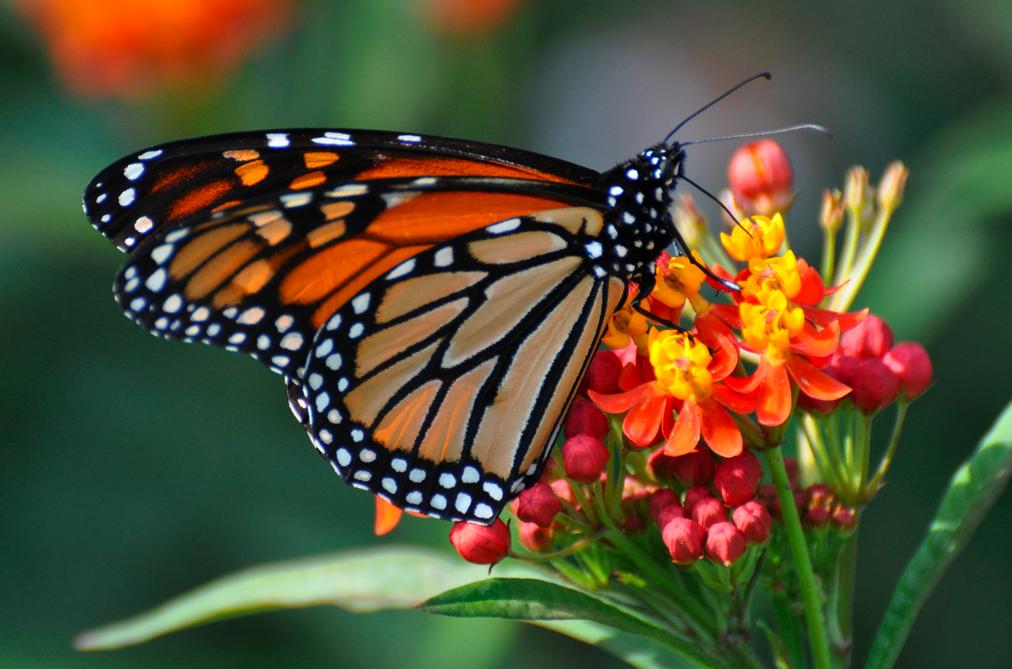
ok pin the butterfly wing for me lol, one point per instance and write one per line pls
(442, 384)
(469, 312)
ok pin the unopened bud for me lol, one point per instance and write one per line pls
(753, 521)
(890, 189)
(874, 386)
(912, 367)
(584, 458)
(761, 174)
(602, 374)
(480, 544)
(724, 543)
(695, 468)
(708, 511)
(585, 418)
(536, 538)
(871, 338)
(831, 213)
(685, 540)
(538, 504)
(737, 478)
(693, 495)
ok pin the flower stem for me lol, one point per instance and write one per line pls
(802, 561)
(696, 614)
(883, 466)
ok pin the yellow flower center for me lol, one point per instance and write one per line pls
(756, 237)
(681, 281)
(625, 325)
(680, 364)
(770, 325)
(772, 275)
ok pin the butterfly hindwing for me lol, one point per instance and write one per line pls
(441, 386)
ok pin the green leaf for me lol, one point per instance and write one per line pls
(974, 489)
(637, 651)
(360, 581)
(541, 601)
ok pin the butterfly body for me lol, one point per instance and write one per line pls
(432, 303)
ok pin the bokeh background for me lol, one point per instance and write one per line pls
(132, 469)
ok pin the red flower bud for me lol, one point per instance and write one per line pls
(737, 478)
(844, 517)
(761, 173)
(661, 465)
(693, 495)
(724, 543)
(667, 513)
(695, 468)
(584, 458)
(536, 538)
(585, 418)
(871, 338)
(753, 521)
(874, 386)
(684, 539)
(820, 503)
(480, 544)
(660, 499)
(538, 504)
(602, 374)
(912, 367)
(708, 511)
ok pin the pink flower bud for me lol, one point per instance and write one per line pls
(480, 544)
(693, 495)
(667, 513)
(536, 538)
(871, 338)
(761, 173)
(538, 504)
(708, 511)
(602, 374)
(563, 491)
(753, 521)
(695, 468)
(874, 386)
(684, 539)
(660, 499)
(737, 478)
(912, 367)
(584, 458)
(724, 543)
(585, 418)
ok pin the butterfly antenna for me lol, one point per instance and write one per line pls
(714, 198)
(764, 75)
(779, 131)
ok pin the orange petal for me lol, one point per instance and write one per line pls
(817, 343)
(685, 434)
(719, 430)
(387, 516)
(815, 384)
(812, 288)
(621, 402)
(742, 403)
(773, 405)
(644, 419)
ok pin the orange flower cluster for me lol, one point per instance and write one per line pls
(135, 47)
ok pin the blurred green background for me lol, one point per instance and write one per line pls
(132, 469)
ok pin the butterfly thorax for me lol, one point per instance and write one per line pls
(639, 192)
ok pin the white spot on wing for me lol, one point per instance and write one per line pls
(509, 225)
(127, 197)
(148, 155)
(133, 171)
(334, 139)
(278, 140)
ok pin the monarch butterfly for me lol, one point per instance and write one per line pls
(432, 303)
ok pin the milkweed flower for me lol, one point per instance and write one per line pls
(132, 49)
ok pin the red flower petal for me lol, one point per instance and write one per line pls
(817, 385)
(644, 419)
(719, 430)
(621, 402)
(742, 403)
(817, 343)
(773, 405)
(387, 517)
(812, 288)
(685, 434)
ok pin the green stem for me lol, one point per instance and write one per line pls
(696, 614)
(787, 628)
(802, 561)
(887, 459)
(844, 605)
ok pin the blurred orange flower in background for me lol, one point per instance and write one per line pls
(469, 16)
(134, 48)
